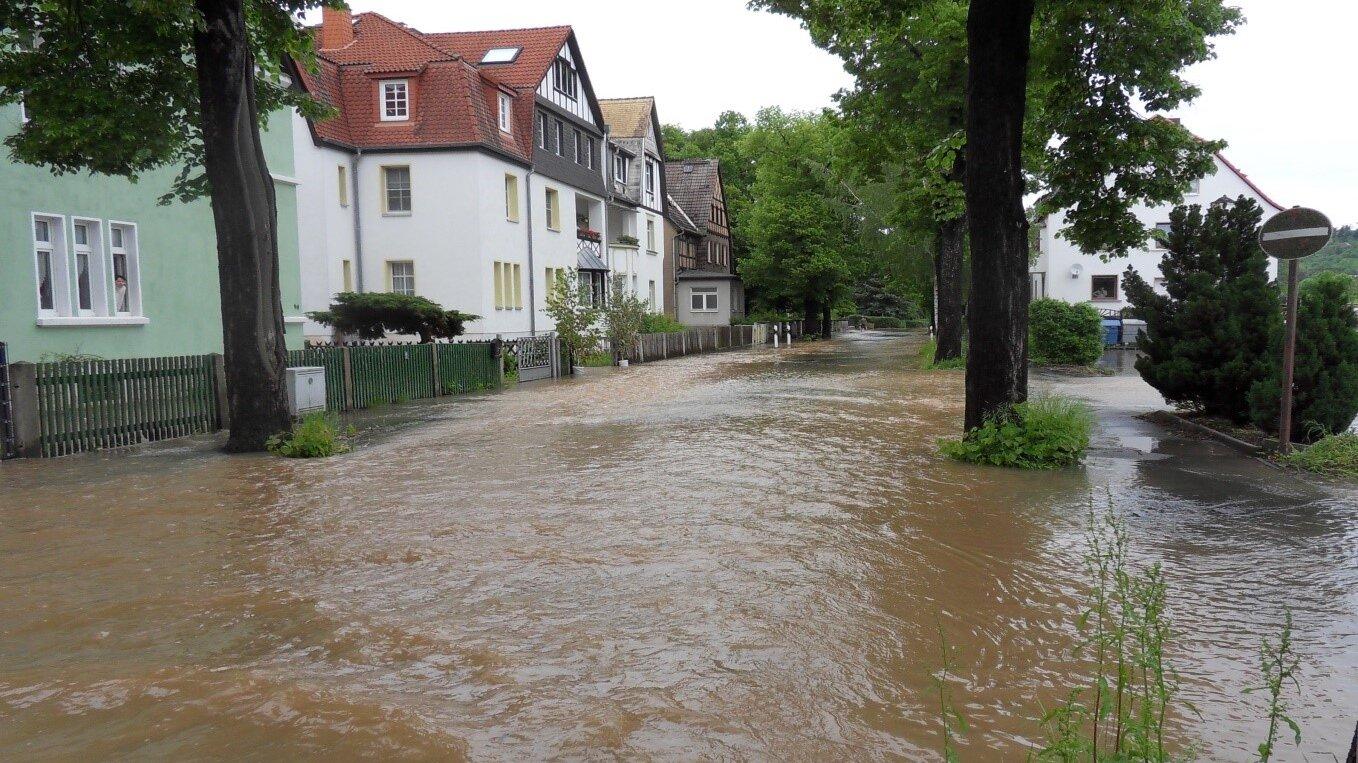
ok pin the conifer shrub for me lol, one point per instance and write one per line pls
(317, 435)
(1325, 396)
(1043, 433)
(1208, 340)
(1062, 334)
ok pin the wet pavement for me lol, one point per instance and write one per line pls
(746, 555)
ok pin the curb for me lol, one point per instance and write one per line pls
(1178, 422)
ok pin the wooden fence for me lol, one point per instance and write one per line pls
(76, 406)
(93, 404)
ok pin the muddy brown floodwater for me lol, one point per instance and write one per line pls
(738, 556)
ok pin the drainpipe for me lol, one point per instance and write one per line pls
(532, 298)
(608, 199)
(358, 220)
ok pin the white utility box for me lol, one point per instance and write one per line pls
(306, 389)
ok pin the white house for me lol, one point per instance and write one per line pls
(463, 167)
(636, 202)
(1064, 272)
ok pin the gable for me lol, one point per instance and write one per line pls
(565, 86)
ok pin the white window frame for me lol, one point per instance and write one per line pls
(564, 79)
(544, 124)
(386, 191)
(512, 197)
(620, 162)
(1159, 243)
(57, 263)
(589, 151)
(132, 251)
(1194, 187)
(553, 211)
(400, 106)
(560, 138)
(506, 115)
(342, 184)
(1117, 288)
(652, 181)
(94, 251)
(709, 300)
(391, 276)
(650, 301)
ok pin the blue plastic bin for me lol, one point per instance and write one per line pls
(1112, 331)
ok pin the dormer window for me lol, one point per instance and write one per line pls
(620, 167)
(506, 111)
(563, 78)
(395, 105)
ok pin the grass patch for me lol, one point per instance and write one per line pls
(926, 358)
(317, 435)
(598, 359)
(1044, 433)
(1336, 454)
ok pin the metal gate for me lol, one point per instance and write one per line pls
(535, 356)
(8, 448)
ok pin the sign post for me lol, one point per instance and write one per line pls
(1291, 235)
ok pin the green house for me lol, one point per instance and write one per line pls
(94, 265)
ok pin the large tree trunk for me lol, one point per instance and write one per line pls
(826, 327)
(998, 33)
(948, 259)
(245, 214)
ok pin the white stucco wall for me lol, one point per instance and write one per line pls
(1058, 256)
(645, 263)
(325, 228)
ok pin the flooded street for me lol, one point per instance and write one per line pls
(741, 556)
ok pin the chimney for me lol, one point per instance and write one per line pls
(337, 28)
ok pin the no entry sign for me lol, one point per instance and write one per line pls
(1291, 235)
(1295, 233)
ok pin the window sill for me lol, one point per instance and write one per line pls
(1104, 299)
(553, 230)
(396, 214)
(514, 220)
(652, 251)
(86, 321)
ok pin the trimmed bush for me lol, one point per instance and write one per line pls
(1325, 399)
(1207, 339)
(1062, 334)
(1043, 433)
(660, 323)
(315, 436)
(372, 314)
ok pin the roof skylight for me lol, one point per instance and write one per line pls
(500, 55)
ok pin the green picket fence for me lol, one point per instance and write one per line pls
(375, 374)
(467, 368)
(92, 404)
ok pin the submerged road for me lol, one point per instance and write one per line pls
(741, 556)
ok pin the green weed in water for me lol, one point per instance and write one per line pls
(1336, 454)
(1279, 665)
(926, 358)
(1043, 433)
(317, 435)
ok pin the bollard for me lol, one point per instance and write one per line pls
(776, 331)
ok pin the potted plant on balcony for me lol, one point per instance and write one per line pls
(627, 240)
(623, 319)
(588, 234)
(575, 318)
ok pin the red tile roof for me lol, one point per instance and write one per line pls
(453, 100)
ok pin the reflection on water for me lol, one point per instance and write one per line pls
(745, 555)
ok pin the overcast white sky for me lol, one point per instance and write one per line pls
(1283, 91)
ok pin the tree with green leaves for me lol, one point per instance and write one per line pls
(121, 88)
(575, 316)
(1050, 102)
(623, 318)
(905, 115)
(372, 315)
(802, 222)
(1207, 339)
(723, 142)
(1325, 377)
